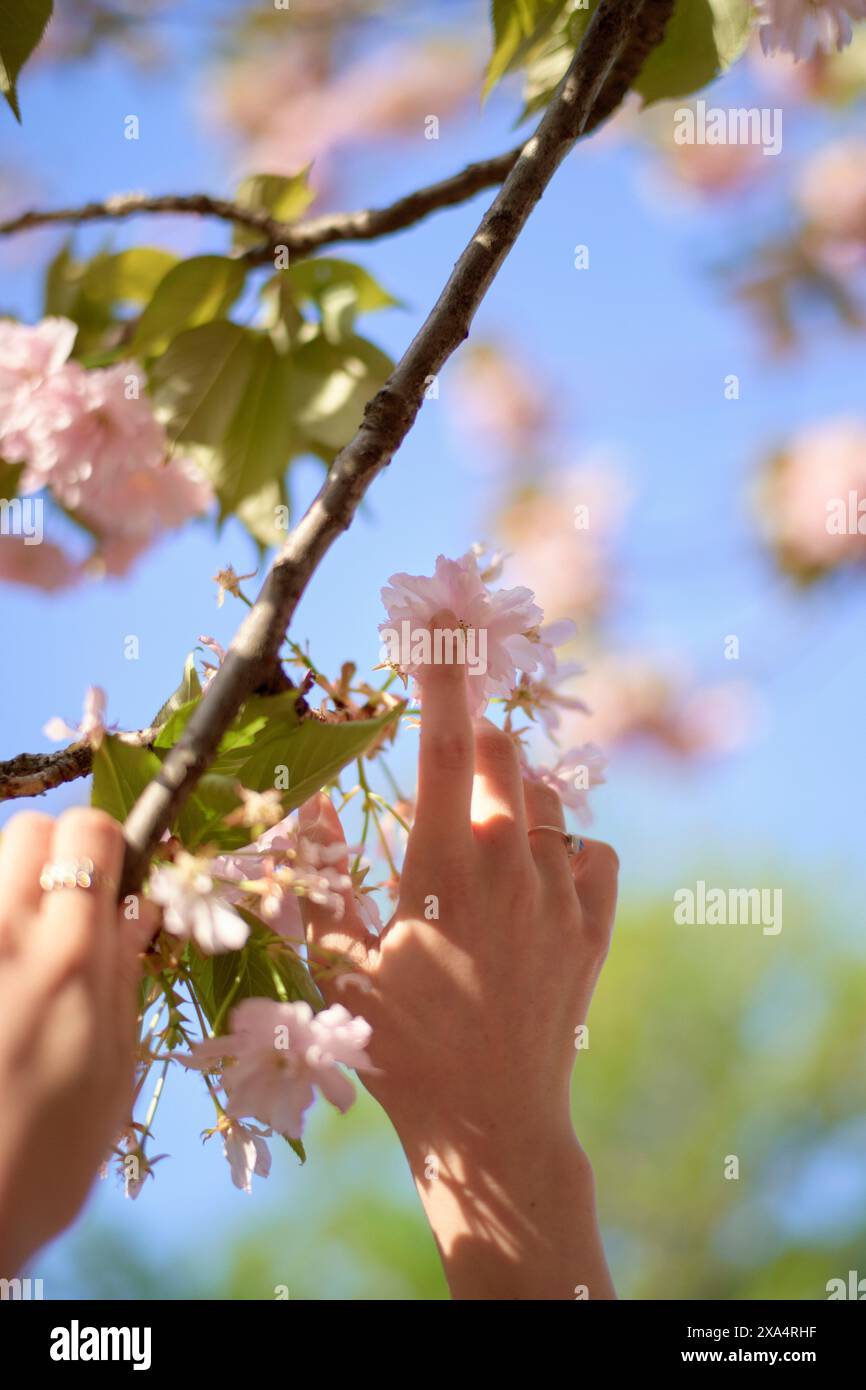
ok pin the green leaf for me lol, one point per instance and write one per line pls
(263, 513)
(282, 198)
(262, 437)
(519, 26)
(702, 39)
(10, 474)
(263, 970)
(126, 277)
(313, 753)
(199, 381)
(330, 385)
(200, 821)
(192, 292)
(227, 388)
(121, 771)
(546, 64)
(255, 715)
(89, 292)
(22, 24)
(341, 290)
(268, 735)
(188, 690)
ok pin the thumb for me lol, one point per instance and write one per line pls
(327, 930)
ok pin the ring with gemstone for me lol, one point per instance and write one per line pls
(573, 843)
(76, 873)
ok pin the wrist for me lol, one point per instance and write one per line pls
(513, 1213)
(515, 1155)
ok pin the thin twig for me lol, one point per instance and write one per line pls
(34, 774)
(124, 205)
(366, 224)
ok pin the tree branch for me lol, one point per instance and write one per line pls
(367, 224)
(301, 237)
(34, 774)
(123, 205)
(617, 39)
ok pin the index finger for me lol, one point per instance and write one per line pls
(447, 756)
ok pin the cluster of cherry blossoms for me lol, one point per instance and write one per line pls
(513, 655)
(272, 1058)
(91, 440)
(264, 1059)
(200, 896)
(275, 1054)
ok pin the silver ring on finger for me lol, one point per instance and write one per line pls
(573, 843)
(73, 873)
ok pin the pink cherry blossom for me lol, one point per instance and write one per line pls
(541, 697)
(712, 170)
(192, 907)
(274, 1055)
(91, 730)
(92, 439)
(832, 191)
(44, 566)
(806, 27)
(279, 868)
(294, 109)
(562, 530)
(500, 403)
(209, 670)
(816, 479)
(505, 624)
(29, 355)
(635, 698)
(572, 776)
(247, 1152)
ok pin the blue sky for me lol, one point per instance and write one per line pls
(638, 348)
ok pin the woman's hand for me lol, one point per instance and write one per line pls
(68, 972)
(475, 991)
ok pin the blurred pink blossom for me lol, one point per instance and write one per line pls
(713, 169)
(291, 109)
(92, 728)
(637, 698)
(812, 499)
(44, 566)
(572, 776)
(806, 27)
(832, 191)
(499, 402)
(562, 531)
